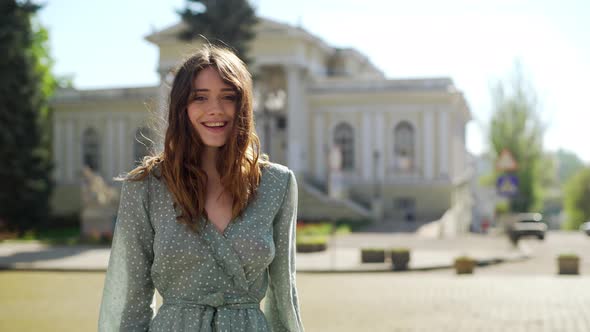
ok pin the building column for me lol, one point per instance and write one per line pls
(379, 144)
(428, 145)
(320, 154)
(296, 120)
(69, 162)
(443, 141)
(108, 150)
(123, 164)
(58, 152)
(366, 147)
(166, 80)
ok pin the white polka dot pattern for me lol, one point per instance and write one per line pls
(211, 281)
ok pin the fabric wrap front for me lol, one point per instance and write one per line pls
(212, 281)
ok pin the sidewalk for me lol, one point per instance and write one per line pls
(343, 254)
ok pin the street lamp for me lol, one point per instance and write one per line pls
(273, 102)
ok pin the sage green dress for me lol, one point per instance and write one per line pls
(209, 282)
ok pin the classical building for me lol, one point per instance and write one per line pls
(360, 144)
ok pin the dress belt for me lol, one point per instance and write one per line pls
(215, 310)
(245, 305)
(215, 300)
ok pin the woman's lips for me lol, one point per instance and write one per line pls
(218, 129)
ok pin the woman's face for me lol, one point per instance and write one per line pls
(211, 107)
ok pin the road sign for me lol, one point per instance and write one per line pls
(507, 185)
(506, 162)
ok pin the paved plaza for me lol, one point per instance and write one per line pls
(521, 293)
(419, 301)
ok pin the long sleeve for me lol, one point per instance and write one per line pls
(282, 304)
(128, 288)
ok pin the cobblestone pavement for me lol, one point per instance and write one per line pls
(543, 255)
(413, 302)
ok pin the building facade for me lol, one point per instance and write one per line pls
(397, 146)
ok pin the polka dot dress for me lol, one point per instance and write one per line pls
(213, 281)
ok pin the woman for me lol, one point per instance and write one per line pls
(206, 222)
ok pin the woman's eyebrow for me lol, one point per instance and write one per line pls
(207, 90)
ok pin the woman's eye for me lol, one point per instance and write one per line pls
(230, 98)
(199, 98)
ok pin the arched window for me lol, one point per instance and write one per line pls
(404, 149)
(91, 149)
(142, 144)
(344, 139)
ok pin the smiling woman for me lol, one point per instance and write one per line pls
(211, 107)
(206, 222)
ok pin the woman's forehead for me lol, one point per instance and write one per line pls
(209, 78)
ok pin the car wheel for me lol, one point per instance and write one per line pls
(541, 237)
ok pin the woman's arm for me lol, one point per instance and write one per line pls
(281, 303)
(128, 288)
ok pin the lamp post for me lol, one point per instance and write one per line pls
(273, 102)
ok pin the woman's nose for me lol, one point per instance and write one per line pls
(215, 107)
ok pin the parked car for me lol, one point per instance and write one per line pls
(585, 227)
(527, 224)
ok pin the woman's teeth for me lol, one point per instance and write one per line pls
(214, 124)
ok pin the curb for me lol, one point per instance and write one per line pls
(480, 262)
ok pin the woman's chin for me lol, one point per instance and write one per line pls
(214, 145)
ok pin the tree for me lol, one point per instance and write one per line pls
(516, 126)
(568, 164)
(25, 86)
(229, 22)
(577, 199)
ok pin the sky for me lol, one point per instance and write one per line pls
(474, 42)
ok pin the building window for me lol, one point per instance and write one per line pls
(404, 148)
(344, 139)
(91, 149)
(142, 144)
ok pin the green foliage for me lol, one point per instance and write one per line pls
(400, 250)
(25, 86)
(577, 199)
(487, 180)
(568, 165)
(314, 239)
(379, 250)
(466, 259)
(226, 22)
(568, 256)
(516, 126)
(355, 225)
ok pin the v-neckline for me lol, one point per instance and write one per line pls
(223, 232)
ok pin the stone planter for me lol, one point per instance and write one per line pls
(464, 265)
(373, 255)
(311, 247)
(568, 264)
(400, 259)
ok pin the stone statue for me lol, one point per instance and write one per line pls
(99, 206)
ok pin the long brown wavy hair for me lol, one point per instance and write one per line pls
(238, 162)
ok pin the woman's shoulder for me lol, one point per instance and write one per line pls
(276, 169)
(277, 176)
(142, 178)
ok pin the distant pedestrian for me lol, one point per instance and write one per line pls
(485, 224)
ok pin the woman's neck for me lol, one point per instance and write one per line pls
(208, 162)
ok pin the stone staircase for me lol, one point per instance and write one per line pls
(314, 203)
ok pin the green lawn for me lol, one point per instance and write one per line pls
(49, 301)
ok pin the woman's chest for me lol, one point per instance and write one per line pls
(249, 237)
